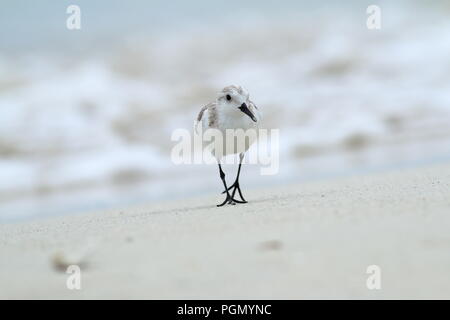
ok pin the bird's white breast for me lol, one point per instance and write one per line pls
(237, 123)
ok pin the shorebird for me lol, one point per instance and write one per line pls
(232, 110)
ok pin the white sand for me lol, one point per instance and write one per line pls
(312, 240)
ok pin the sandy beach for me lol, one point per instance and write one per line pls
(356, 100)
(312, 240)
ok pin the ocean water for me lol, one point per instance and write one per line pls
(86, 116)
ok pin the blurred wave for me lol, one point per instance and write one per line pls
(86, 119)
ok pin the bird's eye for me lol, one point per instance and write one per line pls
(228, 97)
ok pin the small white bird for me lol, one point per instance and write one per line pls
(232, 110)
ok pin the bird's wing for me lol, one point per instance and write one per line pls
(201, 116)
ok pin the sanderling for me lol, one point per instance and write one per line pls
(232, 110)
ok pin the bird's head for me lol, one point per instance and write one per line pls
(236, 98)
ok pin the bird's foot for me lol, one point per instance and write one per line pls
(230, 199)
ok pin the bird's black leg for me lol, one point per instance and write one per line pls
(229, 199)
(236, 185)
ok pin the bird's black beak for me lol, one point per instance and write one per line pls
(246, 110)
